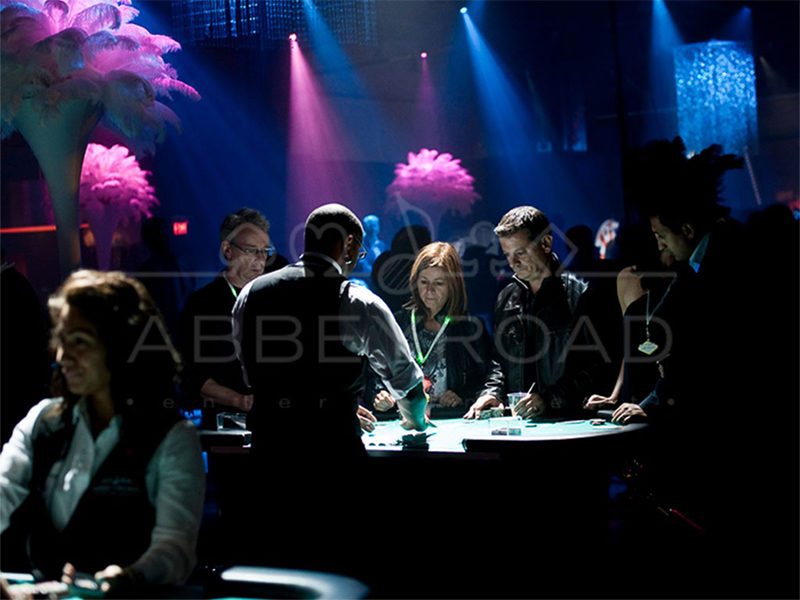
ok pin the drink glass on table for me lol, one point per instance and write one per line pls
(513, 398)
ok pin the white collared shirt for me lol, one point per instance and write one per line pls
(175, 482)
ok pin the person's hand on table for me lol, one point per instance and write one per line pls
(529, 406)
(482, 403)
(450, 399)
(6, 593)
(597, 401)
(383, 401)
(244, 402)
(408, 421)
(406, 424)
(626, 412)
(113, 579)
(211, 391)
(366, 418)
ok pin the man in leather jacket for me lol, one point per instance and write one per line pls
(546, 338)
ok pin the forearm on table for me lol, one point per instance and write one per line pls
(220, 394)
(495, 383)
(167, 562)
(583, 377)
(412, 404)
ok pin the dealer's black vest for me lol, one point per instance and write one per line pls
(300, 371)
(113, 521)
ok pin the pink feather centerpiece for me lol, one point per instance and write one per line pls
(65, 65)
(430, 185)
(114, 192)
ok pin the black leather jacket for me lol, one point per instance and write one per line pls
(547, 338)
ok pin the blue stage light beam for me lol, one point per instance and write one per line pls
(739, 27)
(476, 9)
(511, 136)
(352, 99)
(508, 119)
(193, 177)
(664, 38)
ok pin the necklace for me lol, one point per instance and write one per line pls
(647, 346)
(420, 358)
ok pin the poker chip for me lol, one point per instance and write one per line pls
(491, 413)
(414, 440)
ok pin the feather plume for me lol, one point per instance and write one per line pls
(112, 177)
(432, 180)
(87, 48)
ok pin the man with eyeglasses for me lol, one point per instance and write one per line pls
(214, 380)
(302, 334)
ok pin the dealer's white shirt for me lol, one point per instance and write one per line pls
(175, 482)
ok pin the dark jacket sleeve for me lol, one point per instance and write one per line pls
(589, 365)
(494, 383)
(468, 356)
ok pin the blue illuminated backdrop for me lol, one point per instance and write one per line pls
(716, 88)
(260, 24)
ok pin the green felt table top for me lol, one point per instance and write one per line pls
(449, 434)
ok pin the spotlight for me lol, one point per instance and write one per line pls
(423, 55)
(293, 37)
(463, 10)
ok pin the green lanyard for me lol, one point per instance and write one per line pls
(420, 358)
(230, 285)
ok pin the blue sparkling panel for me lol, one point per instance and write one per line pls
(259, 23)
(716, 87)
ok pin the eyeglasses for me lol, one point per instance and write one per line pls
(253, 252)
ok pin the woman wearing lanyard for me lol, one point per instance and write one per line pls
(450, 346)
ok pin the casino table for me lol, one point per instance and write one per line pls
(453, 434)
(493, 434)
(450, 493)
(233, 583)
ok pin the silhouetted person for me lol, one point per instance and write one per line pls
(483, 262)
(715, 375)
(302, 333)
(23, 349)
(391, 269)
(373, 243)
(582, 257)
